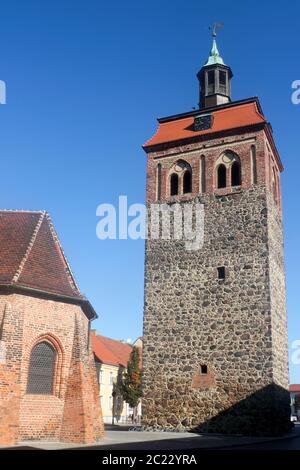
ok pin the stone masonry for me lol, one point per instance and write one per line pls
(235, 328)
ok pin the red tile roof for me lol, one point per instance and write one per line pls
(231, 117)
(110, 351)
(31, 255)
(295, 388)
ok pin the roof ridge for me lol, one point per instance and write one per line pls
(115, 340)
(23, 211)
(29, 248)
(69, 272)
(113, 355)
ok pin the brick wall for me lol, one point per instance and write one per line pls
(73, 412)
(211, 151)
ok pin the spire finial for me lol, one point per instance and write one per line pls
(214, 55)
(214, 28)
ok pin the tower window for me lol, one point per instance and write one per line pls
(221, 176)
(221, 273)
(222, 81)
(158, 184)
(202, 174)
(222, 77)
(210, 81)
(253, 164)
(41, 369)
(174, 184)
(187, 182)
(236, 174)
(203, 369)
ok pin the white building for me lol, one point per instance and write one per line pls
(294, 390)
(111, 358)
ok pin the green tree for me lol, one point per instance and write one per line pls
(131, 383)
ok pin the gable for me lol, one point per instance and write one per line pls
(31, 255)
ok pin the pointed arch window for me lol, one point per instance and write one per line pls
(174, 184)
(236, 174)
(41, 369)
(187, 182)
(221, 176)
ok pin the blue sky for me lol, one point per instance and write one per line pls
(85, 83)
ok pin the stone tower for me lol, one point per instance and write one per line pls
(215, 354)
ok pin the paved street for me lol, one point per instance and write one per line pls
(123, 439)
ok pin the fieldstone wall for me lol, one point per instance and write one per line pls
(235, 327)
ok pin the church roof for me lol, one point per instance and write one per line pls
(231, 116)
(32, 258)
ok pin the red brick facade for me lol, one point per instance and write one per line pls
(210, 146)
(29, 316)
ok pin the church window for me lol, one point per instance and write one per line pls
(41, 369)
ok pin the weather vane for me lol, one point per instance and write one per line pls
(214, 28)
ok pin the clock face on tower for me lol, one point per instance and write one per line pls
(202, 123)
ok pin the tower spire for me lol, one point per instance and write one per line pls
(214, 55)
(215, 76)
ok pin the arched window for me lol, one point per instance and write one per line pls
(202, 174)
(41, 369)
(187, 182)
(236, 174)
(221, 174)
(174, 184)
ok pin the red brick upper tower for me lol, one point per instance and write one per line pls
(215, 333)
(249, 154)
(48, 387)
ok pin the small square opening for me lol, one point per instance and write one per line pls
(221, 273)
(203, 369)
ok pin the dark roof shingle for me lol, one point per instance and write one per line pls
(31, 255)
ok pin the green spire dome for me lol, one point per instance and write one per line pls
(214, 55)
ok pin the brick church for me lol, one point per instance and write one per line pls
(215, 354)
(48, 386)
